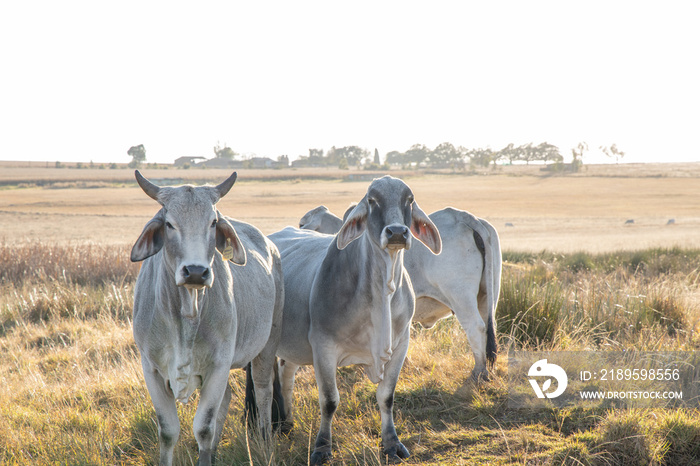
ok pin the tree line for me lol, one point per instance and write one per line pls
(447, 155)
(444, 155)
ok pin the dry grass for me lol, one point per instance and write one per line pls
(72, 390)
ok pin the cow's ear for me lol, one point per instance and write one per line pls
(355, 224)
(228, 243)
(151, 239)
(425, 230)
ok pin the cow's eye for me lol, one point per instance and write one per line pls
(213, 224)
(372, 202)
(169, 225)
(410, 200)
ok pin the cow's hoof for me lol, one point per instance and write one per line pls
(320, 457)
(284, 428)
(396, 453)
(205, 459)
(480, 376)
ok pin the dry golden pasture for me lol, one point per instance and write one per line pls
(586, 211)
(72, 388)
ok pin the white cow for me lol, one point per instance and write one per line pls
(349, 300)
(321, 220)
(197, 316)
(465, 279)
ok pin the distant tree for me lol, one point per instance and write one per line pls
(549, 153)
(509, 153)
(529, 153)
(224, 152)
(577, 154)
(417, 154)
(353, 154)
(446, 154)
(613, 152)
(375, 163)
(316, 156)
(332, 157)
(356, 154)
(461, 162)
(481, 157)
(137, 154)
(396, 157)
(443, 154)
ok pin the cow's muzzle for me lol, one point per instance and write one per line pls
(196, 276)
(397, 236)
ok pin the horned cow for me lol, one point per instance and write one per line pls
(349, 300)
(465, 279)
(198, 314)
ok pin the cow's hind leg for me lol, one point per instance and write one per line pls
(287, 372)
(467, 312)
(279, 412)
(392, 447)
(262, 371)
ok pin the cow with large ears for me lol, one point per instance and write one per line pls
(349, 300)
(464, 280)
(199, 313)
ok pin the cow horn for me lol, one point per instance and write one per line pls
(226, 186)
(148, 187)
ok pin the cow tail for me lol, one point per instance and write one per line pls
(491, 344)
(492, 267)
(251, 407)
(487, 246)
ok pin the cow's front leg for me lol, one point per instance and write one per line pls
(325, 368)
(166, 412)
(392, 447)
(208, 415)
(221, 418)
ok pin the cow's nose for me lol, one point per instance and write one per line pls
(195, 274)
(397, 234)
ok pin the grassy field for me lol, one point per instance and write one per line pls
(587, 211)
(576, 278)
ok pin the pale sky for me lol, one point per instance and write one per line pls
(85, 80)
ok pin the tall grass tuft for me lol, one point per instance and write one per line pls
(624, 439)
(680, 433)
(529, 311)
(625, 299)
(76, 264)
